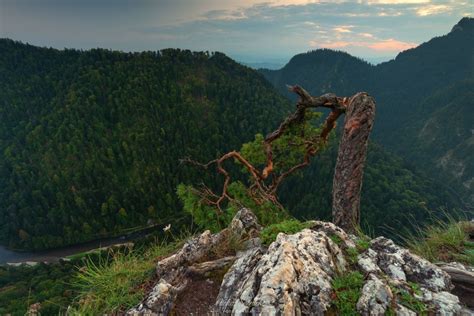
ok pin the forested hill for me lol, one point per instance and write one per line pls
(322, 71)
(90, 142)
(415, 118)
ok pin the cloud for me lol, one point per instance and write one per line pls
(291, 2)
(368, 35)
(388, 45)
(432, 9)
(391, 45)
(384, 13)
(397, 1)
(224, 15)
(342, 29)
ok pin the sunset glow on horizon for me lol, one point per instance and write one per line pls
(248, 30)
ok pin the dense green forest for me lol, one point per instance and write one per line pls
(91, 142)
(423, 96)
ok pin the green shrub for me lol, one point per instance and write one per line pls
(269, 233)
(203, 215)
(352, 254)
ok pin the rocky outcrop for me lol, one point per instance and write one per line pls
(398, 279)
(293, 277)
(296, 273)
(197, 256)
(376, 297)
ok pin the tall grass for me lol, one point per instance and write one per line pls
(446, 239)
(115, 283)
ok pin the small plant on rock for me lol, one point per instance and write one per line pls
(347, 291)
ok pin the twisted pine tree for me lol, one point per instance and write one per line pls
(270, 160)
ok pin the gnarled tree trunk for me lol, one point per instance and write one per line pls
(347, 183)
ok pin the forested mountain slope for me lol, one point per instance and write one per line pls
(444, 139)
(90, 142)
(322, 71)
(411, 98)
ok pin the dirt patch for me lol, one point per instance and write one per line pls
(199, 296)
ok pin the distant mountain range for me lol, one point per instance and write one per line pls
(424, 99)
(263, 65)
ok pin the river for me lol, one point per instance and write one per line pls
(53, 255)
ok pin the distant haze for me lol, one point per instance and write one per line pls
(251, 31)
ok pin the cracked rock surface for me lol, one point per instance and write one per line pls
(293, 277)
(390, 267)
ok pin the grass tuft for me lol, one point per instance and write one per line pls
(445, 240)
(116, 283)
(407, 298)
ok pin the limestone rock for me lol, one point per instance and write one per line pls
(158, 302)
(401, 310)
(446, 303)
(293, 277)
(389, 265)
(400, 264)
(376, 297)
(332, 230)
(192, 251)
(242, 270)
(245, 223)
(368, 262)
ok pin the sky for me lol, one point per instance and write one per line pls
(247, 30)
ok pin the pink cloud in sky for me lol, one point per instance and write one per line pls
(391, 45)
